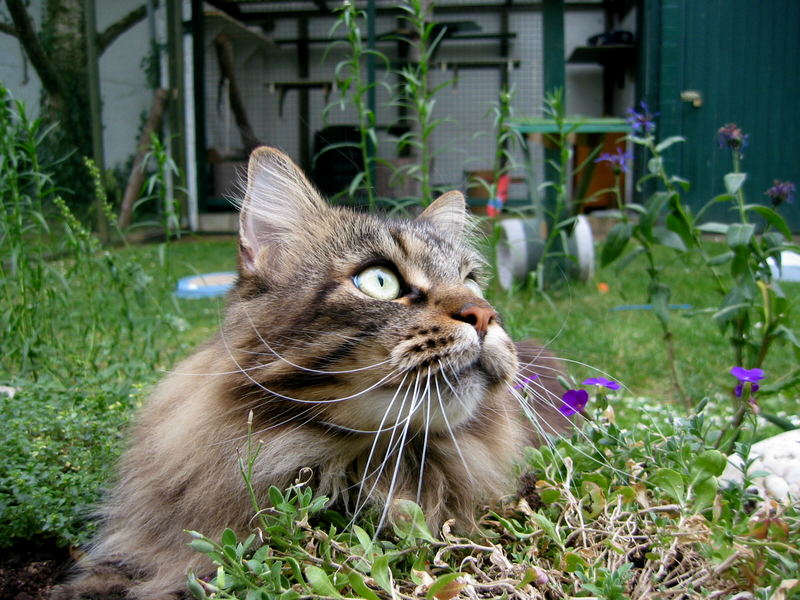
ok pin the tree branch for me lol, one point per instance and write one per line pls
(48, 74)
(117, 28)
(8, 28)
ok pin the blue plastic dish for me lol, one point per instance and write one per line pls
(206, 285)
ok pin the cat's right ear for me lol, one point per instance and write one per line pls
(279, 204)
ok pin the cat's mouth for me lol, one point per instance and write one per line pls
(492, 358)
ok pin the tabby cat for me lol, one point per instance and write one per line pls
(365, 351)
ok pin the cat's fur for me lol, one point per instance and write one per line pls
(322, 366)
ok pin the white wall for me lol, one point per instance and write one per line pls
(123, 85)
(17, 75)
(124, 90)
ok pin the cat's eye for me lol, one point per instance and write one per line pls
(378, 282)
(473, 286)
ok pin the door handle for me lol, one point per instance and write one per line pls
(693, 96)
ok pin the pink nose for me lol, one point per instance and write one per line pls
(480, 317)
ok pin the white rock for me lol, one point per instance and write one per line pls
(776, 467)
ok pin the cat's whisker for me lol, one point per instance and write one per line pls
(261, 430)
(530, 413)
(379, 469)
(427, 396)
(393, 483)
(261, 386)
(452, 435)
(306, 369)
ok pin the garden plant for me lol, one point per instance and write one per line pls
(630, 506)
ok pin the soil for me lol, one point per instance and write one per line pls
(30, 569)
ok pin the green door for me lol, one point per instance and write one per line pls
(713, 62)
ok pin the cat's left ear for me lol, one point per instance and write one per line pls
(280, 205)
(448, 212)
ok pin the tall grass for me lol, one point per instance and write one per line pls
(81, 330)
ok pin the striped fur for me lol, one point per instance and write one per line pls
(383, 400)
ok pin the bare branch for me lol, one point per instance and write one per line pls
(8, 28)
(117, 28)
(48, 74)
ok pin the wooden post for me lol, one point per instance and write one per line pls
(226, 65)
(136, 178)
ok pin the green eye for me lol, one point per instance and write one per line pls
(473, 287)
(378, 282)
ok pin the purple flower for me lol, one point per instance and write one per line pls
(732, 136)
(574, 401)
(602, 381)
(642, 122)
(526, 381)
(780, 192)
(618, 161)
(751, 376)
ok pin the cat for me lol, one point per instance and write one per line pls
(360, 347)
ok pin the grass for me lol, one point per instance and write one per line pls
(572, 526)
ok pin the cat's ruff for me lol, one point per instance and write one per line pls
(391, 383)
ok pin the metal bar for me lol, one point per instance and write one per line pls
(371, 99)
(95, 107)
(198, 50)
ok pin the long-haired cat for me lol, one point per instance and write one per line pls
(365, 351)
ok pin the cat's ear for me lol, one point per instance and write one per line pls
(279, 203)
(448, 212)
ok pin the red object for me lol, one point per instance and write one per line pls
(495, 205)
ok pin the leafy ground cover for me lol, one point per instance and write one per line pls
(628, 508)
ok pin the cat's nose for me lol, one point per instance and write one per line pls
(480, 317)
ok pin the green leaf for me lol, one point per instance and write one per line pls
(710, 463)
(684, 183)
(360, 587)
(320, 583)
(740, 234)
(658, 295)
(654, 205)
(668, 238)
(771, 217)
(572, 562)
(626, 492)
(445, 587)
(549, 495)
(674, 139)
(733, 182)
(720, 259)
(409, 522)
(354, 185)
(654, 165)
(382, 574)
(594, 501)
(228, 538)
(718, 228)
(670, 482)
(275, 496)
(788, 335)
(677, 223)
(616, 240)
(548, 527)
(704, 492)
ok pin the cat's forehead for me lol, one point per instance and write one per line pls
(414, 246)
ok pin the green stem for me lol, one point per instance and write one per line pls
(740, 192)
(736, 423)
